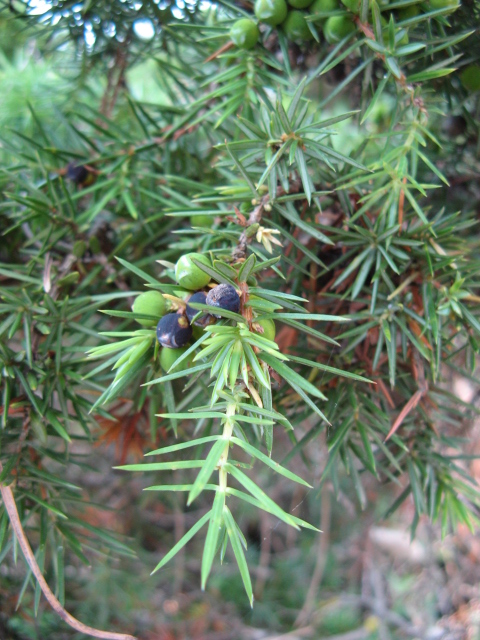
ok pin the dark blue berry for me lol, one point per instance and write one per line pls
(173, 331)
(201, 321)
(77, 174)
(224, 296)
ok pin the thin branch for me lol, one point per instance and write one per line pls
(265, 549)
(225, 47)
(240, 251)
(11, 508)
(321, 552)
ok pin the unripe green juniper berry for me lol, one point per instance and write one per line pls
(409, 12)
(300, 4)
(244, 33)
(296, 28)
(202, 221)
(187, 273)
(224, 296)
(352, 5)
(271, 12)
(322, 5)
(268, 326)
(150, 303)
(444, 4)
(197, 332)
(169, 356)
(338, 27)
(173, 331)
(470, 77)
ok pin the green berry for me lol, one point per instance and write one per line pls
(268, 326)
(197, 332)
(470, 77)
(244, 33)
(355, 5)
(320, 6)
(190, 276)
(409, 12)
(201, 221)
(271, 12)
(296, 27)
(300, 4)
(352, 5)
(444, 4)
(150, 303)
(169, 356)
(337, 27)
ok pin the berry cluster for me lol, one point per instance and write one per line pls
(300, 19)
(175, 328)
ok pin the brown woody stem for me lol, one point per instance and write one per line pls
(11, 508)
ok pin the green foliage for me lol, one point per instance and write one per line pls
(327, 191)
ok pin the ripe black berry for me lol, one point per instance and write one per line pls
(224, 296)
(77, 174)
(454, 126)
(173, 331)
(204, 320)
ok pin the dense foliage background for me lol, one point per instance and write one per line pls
(133, 133)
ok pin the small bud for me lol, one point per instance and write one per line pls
(252, 230)
(79, 248)
(32, 381)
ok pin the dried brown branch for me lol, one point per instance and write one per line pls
(419, 375)
(11, 508)
(115, 84)
(218, 52)
(401, 203)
